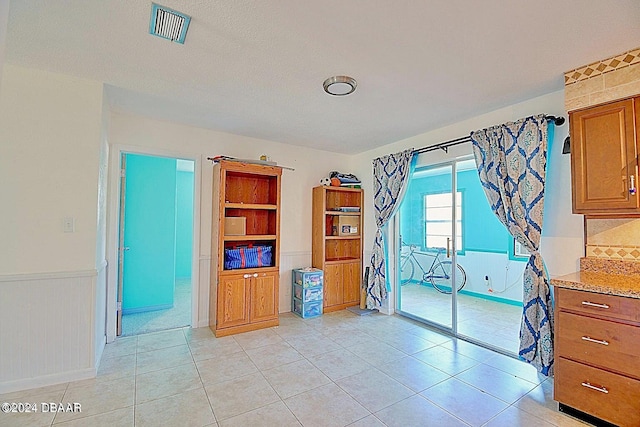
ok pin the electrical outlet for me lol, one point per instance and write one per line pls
(69, 224)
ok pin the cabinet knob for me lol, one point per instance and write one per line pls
(246, 276)
(255, 274)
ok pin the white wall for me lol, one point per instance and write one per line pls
(562, 240)
(505, 275)
(49, 155)
(50, 131)
(139, 133)
(4, 20)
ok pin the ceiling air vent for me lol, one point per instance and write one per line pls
(168, 24)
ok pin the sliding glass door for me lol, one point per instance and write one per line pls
(458, 268)
(429, 228)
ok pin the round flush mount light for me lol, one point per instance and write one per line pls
(340, 85)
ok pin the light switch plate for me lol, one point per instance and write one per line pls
(68, 224)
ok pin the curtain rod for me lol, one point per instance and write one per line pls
(558, 121)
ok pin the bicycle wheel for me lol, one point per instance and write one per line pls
(440, 277)
(406, 270)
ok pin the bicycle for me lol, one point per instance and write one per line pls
(438, 274)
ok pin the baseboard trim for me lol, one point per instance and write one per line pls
(100, 351)
(136, 310)
(203, 324)
(47, 380)
(385, 310)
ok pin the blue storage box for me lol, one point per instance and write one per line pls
(307, 310)
(307, 277)
(307, 292)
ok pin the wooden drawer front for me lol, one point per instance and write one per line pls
(598, 304)
(599, 342)
(608, 396)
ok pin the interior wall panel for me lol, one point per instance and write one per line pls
(47, 329)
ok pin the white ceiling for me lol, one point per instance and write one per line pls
(256, 68)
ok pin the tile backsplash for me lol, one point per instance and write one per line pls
(608, 80)
(613, 239)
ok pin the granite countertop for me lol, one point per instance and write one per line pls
(610, 277)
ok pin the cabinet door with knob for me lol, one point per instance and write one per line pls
(233, 304)
(264, 297)
(604, 159)
(247, 297)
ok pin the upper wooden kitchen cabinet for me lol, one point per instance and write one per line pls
(245, 213)
(337, 244)
(604, 159)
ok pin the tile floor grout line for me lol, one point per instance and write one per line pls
(62, 400)
(292, 413)
(443, 408)
(204, 389)
(215, 417)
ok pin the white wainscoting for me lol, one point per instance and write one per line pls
(48, 328)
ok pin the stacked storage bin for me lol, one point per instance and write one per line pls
(306, 292)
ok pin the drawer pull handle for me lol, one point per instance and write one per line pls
(593, 387)
(603, 342)
(594, 304)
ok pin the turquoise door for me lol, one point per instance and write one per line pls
(149, 265)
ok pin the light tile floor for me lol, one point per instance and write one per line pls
(158, 320)
(339, 369)
(488, 321)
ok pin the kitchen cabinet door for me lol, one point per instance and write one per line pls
(604, 159)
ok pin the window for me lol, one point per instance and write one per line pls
(437, 214)
(519, 251)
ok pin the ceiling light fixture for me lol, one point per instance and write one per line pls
(340, 85)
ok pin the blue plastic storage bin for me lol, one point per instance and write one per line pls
(307, 292)
(307, 277)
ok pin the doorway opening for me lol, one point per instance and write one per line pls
(458, 268)
(155, 254)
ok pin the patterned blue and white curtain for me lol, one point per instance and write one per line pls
(390, 176)
(511, 161)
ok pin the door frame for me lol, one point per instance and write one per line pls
(393, 251)
(453, 330)
(113, 217)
